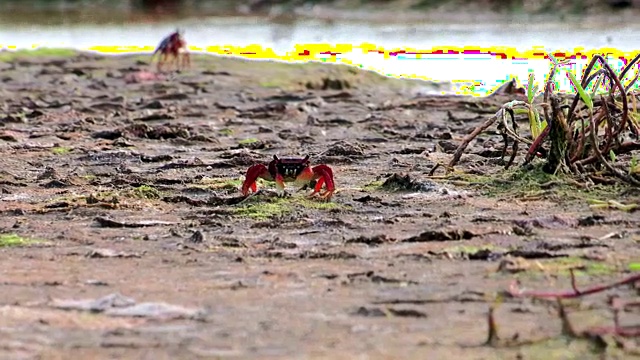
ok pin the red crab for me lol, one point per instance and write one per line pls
(296, 170)
(173, 45)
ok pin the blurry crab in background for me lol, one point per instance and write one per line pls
(173, 47)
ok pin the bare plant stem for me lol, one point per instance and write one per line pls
(470, 137)
(574, 293)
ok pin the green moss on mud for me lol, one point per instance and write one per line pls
(225, 131)
(470, 249)
(60, 150)
(264, 209)
(12, 55)
(13, 240)
(224, 183)
(319, 205)
(532, 182)
(146, 192)
(562, 267)
(373, 185)
(582, 267)
(248, 141)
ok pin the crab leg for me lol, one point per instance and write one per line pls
(253, 173)
(304, 178)
(324, 174)
(280, 184)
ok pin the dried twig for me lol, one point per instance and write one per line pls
(470, 137)
(615, 304)
(574, 293)
(504, 128)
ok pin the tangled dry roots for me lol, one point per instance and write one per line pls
(581, 136)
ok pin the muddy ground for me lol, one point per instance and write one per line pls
(124, 236)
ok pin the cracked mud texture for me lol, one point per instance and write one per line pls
(120, 191)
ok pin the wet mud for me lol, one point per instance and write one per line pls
(125, 234)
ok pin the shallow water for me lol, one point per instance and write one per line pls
(484, 71)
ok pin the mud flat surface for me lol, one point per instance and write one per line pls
(124, 234)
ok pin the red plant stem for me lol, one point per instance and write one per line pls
(622, 149)
(623, 95)
(536, 144)
(628, 67)
(599, 118)
(574, 293)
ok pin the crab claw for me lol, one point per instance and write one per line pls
(253, 173)
(324, 174)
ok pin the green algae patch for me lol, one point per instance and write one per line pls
(11, 55)
(60, 150)
(581, 267)
(373, 185)
(145, 192)
(264, 210)
(222, 183)
(248, 141)
(320, 205)
(471, 250)
(261, 208)
(14, 240)
(531, 182)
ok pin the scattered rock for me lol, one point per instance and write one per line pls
(367, 198)
(156, 116)
(397, 182)
(107, 134)
(114, 300)
(547, 222)
(108, 253)
(173, 96)
(155, 104)
(155, 158)
(48, 173)
(370, 240)
(344, 148)
(107, 222)
(117, 305)
(441, 235)
(11, 136)
(377, 312)
(140, 76)
(197, 237)
(55, 184)
(591, 220)
(369, 312)
(371, 276)
(328, 84)
(158, 311)
(165, 131)
(513, 265)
